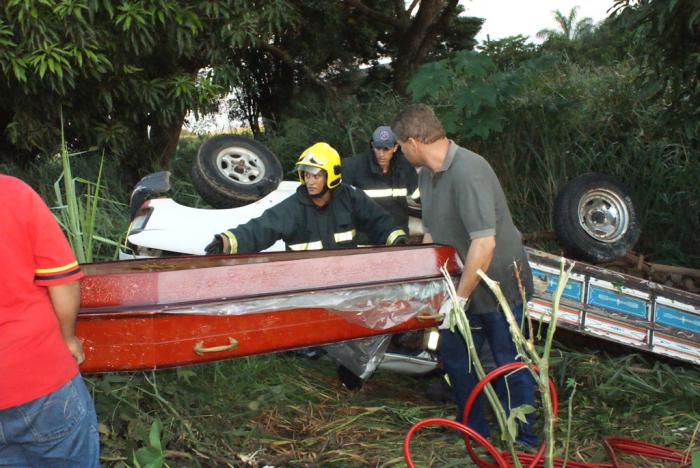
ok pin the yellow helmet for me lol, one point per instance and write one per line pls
(320, 156)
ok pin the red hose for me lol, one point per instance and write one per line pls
(643, 449)
(478, 389)
(504, 459)
(467, 431)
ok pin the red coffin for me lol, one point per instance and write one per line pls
(131, 314)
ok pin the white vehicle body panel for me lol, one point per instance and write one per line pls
(167, 225)
(409, 365)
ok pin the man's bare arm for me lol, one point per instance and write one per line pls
(65, 299)
(427, 238)
(479, 256)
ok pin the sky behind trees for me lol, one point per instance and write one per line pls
(503, 18)
(527, 17)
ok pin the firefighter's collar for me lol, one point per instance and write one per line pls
(305, 198)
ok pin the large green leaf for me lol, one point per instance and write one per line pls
(429, 80)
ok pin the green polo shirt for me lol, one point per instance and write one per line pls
(463, 201)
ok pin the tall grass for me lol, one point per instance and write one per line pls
(84, 191)
(75, 216)
(289, 411)
(77, 209)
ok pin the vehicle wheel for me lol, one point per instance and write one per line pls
(595, 219)
(233, 170)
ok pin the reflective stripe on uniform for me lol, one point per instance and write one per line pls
(233, 242)
(416, 194)
(344, 236)
(306, 246)
(383, 193)
(392, 237)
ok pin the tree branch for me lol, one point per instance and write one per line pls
(431, 34)
(413, 39)
(400, 10)
(309, 73)
(412, 7)
(286, 58)
(374, 13)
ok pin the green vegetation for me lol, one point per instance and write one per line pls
(544, 114)
(666, 39)
(620, 98)
(288, 411)
(539, 125)
(569, 27)
(623, 101)
(125, 73)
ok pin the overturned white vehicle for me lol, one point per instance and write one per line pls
(594, 218)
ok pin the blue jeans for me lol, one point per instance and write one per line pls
(58, 430)
(520, 389)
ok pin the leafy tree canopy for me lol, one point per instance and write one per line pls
(123, 73)
(667, 40)
(570, 27)
(325, 51)
(509, 52)
(468, 91)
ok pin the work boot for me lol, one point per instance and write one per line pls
(439, 391)
(349, 379)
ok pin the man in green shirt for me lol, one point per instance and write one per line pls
(464, 207)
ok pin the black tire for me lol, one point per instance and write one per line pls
(595, 218)
(233, 170)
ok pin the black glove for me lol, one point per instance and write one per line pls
(215, 247)
(401, 240)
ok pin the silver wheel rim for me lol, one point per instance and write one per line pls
(603, 214)
(240, 165)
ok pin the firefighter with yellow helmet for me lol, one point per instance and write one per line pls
(324, 213)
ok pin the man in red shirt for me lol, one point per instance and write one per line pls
(47, 417)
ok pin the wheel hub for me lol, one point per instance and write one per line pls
(240, 165)
(603, 214)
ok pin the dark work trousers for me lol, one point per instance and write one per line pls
(491, 327)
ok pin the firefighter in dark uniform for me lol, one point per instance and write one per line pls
(384, 174)
(323, 213)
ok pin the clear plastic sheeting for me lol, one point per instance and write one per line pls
(361, 356)
(378, 307)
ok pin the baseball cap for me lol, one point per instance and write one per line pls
(383, 137)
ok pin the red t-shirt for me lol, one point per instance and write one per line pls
(34, 254)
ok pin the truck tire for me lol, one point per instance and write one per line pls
(595, 218)
(233, 170)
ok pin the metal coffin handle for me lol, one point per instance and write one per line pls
(199, 348)
(430, 317)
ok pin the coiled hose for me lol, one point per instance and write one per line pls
(504, 459)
